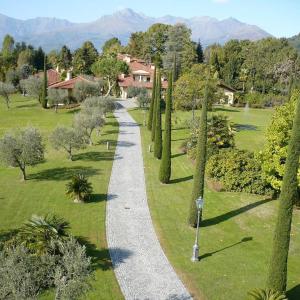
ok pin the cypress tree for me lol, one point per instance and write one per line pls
(175, 71)
(198, 188)
(45, 85)
(157, 124)
(277, 275)
(199, 51)
(157, 90)
(151, 109)
(165, 166)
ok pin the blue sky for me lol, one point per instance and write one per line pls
(278, 17)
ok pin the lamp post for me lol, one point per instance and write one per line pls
(199, 205)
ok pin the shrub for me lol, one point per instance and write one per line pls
(219, 135)
(260, 294)
(237, 171)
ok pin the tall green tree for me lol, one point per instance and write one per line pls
(157, 91)
(45, 85)
(165, 166)
(112, 45)
(158, 132)
(84, 58)
(8, 46)
(151, 109)
(200, 54)
(65, 58)
(198, 188)
(277, 276)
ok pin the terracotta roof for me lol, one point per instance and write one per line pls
(128, 81)
(68, 84)
(52, 76)
(225, 86)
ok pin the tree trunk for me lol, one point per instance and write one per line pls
(56, 108)
(78, 199)
(110, 86)
(7, 102)
(23, 174)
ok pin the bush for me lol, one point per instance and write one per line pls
(237, 171)
(219, 135)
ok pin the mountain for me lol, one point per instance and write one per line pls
(52, 33)
(295, 41)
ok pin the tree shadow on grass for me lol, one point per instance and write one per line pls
(27, 105)
(178, 180)
(244, 240)
(63, 173)
(233, 213)
(101, 258)
(109, 132)
(243, 127)
(294, 293)
(112, 143)
(100, 197)
(177, 154)
(94, 156)
(223, 109)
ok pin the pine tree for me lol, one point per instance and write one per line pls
(45, 85)
(200, 55)
(165, 166)
(151, 109)
(277, 276)
(198, 188)
(158, 133)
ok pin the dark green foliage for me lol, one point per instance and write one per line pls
(65, 58)
(198, 187)
(237, 171)
(45, 85)
(165, 166)
(79, 187)
(158, 132)
(152, 104)
(277, 276)
(220, 135)
(200, 54)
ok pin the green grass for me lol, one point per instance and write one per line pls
(237, 231)
(44, 192)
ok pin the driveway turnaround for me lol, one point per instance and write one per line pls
(140, 265)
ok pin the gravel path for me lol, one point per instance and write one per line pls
(140, 265)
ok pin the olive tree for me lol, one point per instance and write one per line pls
(87, 121)
(67, 139)
(21, 149)
(33, 86)
(56, 97)
(106, 105)
(84, 89)
(6, 89)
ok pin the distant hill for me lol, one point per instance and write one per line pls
(52, 33)
(295, 41)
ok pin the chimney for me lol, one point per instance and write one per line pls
(69, 75)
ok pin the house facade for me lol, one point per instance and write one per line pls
(140, 75)
(228, 93)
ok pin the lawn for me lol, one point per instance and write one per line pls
(44, 192)
(237, 231)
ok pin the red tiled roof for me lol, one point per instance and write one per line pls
(140, 67)
(52, 76)
(68, 84)
(128, 81)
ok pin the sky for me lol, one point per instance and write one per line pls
(278, 17)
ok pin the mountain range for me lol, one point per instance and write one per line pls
(53, 33)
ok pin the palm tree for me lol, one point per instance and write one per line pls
(260, 294)
(79, 187)
(41, 234)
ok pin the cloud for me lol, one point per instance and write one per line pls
(221, 1)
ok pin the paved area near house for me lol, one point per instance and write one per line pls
(140, 265)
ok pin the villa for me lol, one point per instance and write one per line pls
(141, 75)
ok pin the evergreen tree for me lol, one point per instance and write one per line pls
(165, 166)
(157, 90)
(151, 109)
(45, 85)
(200, 55)
(175, 74)
(65, 58)
(277, 276)
(158, 133)
(198, 188)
